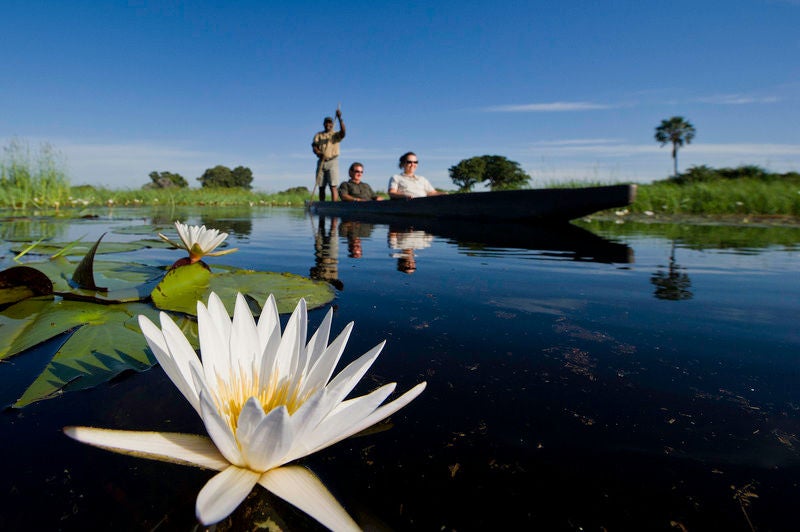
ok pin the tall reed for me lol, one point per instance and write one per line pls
(32, 178)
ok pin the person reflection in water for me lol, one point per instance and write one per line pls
(326, 254)
(405, 242)
(354, 231)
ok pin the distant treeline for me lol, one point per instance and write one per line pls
(703, 173)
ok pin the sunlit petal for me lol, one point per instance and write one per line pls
(188, 449)
(265, 439)
(300, 487)
(223, 493)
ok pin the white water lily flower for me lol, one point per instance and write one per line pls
(199, 241)
(266, 399)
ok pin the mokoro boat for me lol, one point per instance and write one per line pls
(536, 205)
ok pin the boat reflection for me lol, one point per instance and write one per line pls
(406, 236)
(565, 241)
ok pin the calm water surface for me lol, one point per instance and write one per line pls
(616, 378)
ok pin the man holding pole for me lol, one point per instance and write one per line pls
(326, 148)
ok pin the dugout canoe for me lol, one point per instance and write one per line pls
(536, 205)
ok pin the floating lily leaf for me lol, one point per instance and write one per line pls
(76, 248)
(84, 273)
(21, 282)
(182, 287)
(109, 343)
(18, 326)
(119, 277)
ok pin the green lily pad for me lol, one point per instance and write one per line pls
(21, 282)
(182, 287)
(114, 275)
(105, 346)
(53, 248)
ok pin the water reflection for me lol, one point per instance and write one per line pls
(25, 229)
(403, 243)
(237, 223)
(326, 253)
(354, 231)
(565, 241)
(674, 283)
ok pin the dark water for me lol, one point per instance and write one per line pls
(612, 377)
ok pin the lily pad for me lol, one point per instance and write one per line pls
(54, 248)
(106, 345)
(226, 281)
(112, 274)
(21, 282)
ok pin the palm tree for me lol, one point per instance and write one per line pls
(677, 131)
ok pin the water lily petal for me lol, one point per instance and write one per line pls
(269, 336)
(264, 439)
(221, 252)
(177, 370)
(244, 338)
(303, 489)
(292, 344)
(214, 344)
(184, 358)
(188, 449)
(345, 415)
(321, 371)
(343, 383)
(220, 431)
(223, 493)
(319, 340)
(378, 415)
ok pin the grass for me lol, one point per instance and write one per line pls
(32, 179)
(37, 179)
(741, 196)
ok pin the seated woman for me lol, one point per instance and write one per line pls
(408, 184)
(355, 189)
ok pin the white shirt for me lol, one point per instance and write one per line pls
(415, 186)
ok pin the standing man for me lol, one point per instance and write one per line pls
(356, 189)
(326, 148)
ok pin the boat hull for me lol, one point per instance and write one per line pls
(537, 205)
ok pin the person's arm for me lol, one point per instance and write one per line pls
(394, 194)
(392, 190)
(430, 191)
(342, 129)
(315, 146)
(343, 194)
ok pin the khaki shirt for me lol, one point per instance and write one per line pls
(328, 143)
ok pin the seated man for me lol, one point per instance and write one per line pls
(355, 189)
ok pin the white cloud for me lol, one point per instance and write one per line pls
(737, 99)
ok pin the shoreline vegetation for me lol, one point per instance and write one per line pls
(746, 194)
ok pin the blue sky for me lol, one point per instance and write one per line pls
(571, 90)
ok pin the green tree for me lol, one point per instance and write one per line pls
(166, 180)
(468, 173)
(677, 131)
(242, 177)
(223, 177)
(498, 171)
